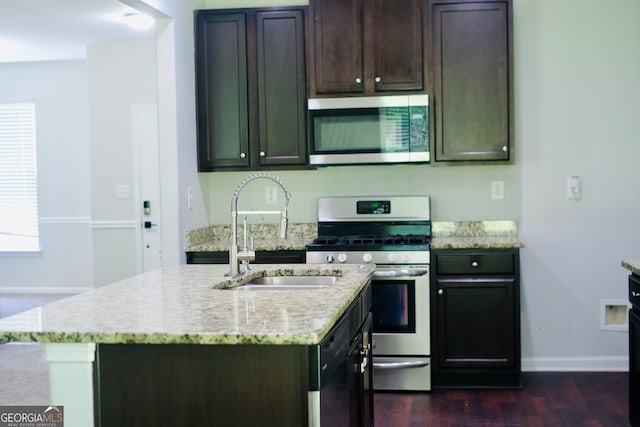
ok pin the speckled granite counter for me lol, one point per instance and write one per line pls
(188, 304)
(446, 235)
(475, 235)
(217, 238)
(632, 265)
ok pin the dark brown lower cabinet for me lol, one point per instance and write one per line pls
(634, 352)
(475, 319)
(262, 257)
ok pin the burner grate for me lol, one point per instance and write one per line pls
(372, 240)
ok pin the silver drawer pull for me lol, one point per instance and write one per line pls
(474, 264)
(635, 294)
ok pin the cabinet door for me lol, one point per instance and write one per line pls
(281, 87)
(634, 368)
(366, 369)
(397, 45)
(472, 90)
(221, 81)
(476, 323)
(337, 41)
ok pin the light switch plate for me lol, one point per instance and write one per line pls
(574, 187)
(123, 191)
(497, 190)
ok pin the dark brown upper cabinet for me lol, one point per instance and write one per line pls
(472, 57)
(364, 47)
(251, 89)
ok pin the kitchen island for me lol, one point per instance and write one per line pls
(184, 314)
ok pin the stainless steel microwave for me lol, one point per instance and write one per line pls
(369, 130)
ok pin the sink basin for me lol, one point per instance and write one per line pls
(288, 283)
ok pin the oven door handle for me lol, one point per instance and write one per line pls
(406, 272)
(401, 365)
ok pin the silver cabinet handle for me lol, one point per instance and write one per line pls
(243, 155)
(504, 148)
(635, 294)
(440, 291)
(377, 79)
(364, 353)
(262, 154)
(358, 80)
(474, 264)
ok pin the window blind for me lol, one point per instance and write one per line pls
(18, 178)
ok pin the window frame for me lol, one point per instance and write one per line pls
(18, 178)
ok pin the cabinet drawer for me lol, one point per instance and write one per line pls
(475, 263)
(634, 291)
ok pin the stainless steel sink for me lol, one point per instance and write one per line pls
(288, 283)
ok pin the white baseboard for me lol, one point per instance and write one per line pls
(576, 364)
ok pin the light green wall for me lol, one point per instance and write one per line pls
(577, 88)
(458, 193)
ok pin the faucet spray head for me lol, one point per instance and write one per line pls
(283, 225)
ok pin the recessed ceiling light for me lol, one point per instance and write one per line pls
(138, 21)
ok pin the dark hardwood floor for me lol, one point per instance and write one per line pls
(547, 399)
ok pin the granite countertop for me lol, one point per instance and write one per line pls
(188, 304)
(475, 235)
(217, 238)
(632, 265)
(446, 235)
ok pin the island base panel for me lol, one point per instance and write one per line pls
(203, 385)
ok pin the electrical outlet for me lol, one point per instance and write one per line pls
(574, 188)
(497, 190)
(271, 195)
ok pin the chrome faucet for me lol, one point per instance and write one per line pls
(247, 254)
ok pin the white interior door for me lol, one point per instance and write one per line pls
(145, 140)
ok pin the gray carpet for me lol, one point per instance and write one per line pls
(24, 375)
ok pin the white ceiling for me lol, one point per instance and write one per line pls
(45, 30)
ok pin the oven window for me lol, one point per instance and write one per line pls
(394, 303)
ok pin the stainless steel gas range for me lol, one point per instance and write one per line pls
(394, 233)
